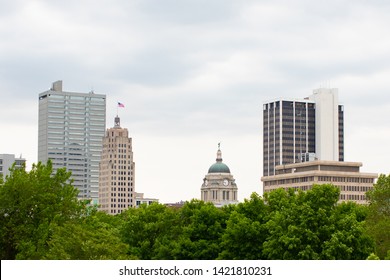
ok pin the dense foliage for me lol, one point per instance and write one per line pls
(41, 218)
(378, 219)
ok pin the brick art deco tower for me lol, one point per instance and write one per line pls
(116, 180)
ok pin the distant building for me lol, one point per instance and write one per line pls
(117, 171)
(140, 199)
(70, 133)
(352, 183)
(299, 130)
(178, 204)
(219, 186)
(6, 162)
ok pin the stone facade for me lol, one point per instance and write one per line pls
(219, 186)
(116, 171)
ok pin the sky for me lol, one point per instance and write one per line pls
(195, 73)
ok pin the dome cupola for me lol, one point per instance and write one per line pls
(219, 166)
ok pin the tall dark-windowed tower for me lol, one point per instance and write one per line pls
(303, 130)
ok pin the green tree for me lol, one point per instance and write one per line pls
(202, 227)
(349, 240)
(91, 237)
(311, 225)
(246, 231)
(149, 231)
(378, 219)
(30, 204)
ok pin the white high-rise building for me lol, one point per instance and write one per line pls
(71, 129)
(327, 122)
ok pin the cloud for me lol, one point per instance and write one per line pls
(193, 73)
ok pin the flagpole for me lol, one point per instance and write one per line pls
(117, 107)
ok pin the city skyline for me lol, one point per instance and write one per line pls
(197, 74)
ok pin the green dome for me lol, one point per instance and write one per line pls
(219, 167)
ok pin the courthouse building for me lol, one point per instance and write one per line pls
(219, 186)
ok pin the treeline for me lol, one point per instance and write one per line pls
(41, 218)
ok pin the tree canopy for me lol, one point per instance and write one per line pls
(41, 218)
(378, 220)
(30, 204)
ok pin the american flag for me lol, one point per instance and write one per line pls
(121, 105)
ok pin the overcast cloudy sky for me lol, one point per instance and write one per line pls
(193, 73)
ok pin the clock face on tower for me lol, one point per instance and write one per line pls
(225, 182)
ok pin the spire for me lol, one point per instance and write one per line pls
(219, 153)
(117, 122)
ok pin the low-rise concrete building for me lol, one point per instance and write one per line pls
(352, 183)
(140, 199)
(6, 162)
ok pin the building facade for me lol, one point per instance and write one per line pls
(352, 183)
(219, 186)
(299, 130)
(6, 162)
(70, 133)
(117, 171)
(141, 199)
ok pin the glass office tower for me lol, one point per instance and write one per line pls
(71, 129)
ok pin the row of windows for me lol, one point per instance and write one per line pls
(121, 195)
(322, 179)
(121, 173)
(214, 195)
(355, 188)
(289, 181)
(76, 126)
(120, 178)
(113, 211)
(75, 97)
(343, 179)
(121, 200)
(120, 151)
(120, 206)
(119, 156)
(121, 184)
(353, 197)
(60, 114)
(122, 189)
